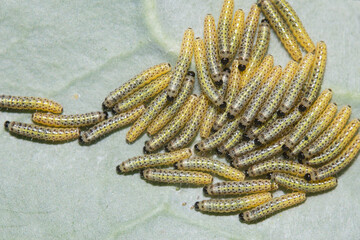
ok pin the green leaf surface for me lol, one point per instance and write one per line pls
(76, 52)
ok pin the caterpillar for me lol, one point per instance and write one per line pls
(135, 83)
(77, 120)
(210, 165)
(182, 64)
(110, 124)
(142, 95)
(30, 103)
(174, 126)
(191, 128)
(270, 207)
(176, 176)
(153, 160)
(281, 29)
(240, 187)
(42, 133)
(279, 165)
(232, 204)
(301, 185)
(223, 30)
(295, 24)
(212, 51)
(248, 36)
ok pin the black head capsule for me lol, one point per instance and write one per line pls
(118, 170)
(302, 108)
(191, 73)
(213, 130)
(227, 70)
(242, 127)
(242, 67)
(223, 105)
(6, 124)
(219, 83)
(205, 190)
(142, 174)
(81, 141)
(166, 148)
(241, 217)
(246, 173)
(106, 115)
(145, 150)
(257, 142)
(176, 166)
(218, 152)
(306, 138)
(245, 137)
(196, 206)
(307, 177)
(257, 123)
(105, 108)
(228, 157)
(301, 156)
(224, 61)
(264, 20)
(280, 113)
(232, 164)
(196, 147)
(285, 148)
(230, 116)
(269, 175)
(113, 111)
(170, 99)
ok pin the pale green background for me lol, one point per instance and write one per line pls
(75, 52)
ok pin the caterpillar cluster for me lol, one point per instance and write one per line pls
(266, 119)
